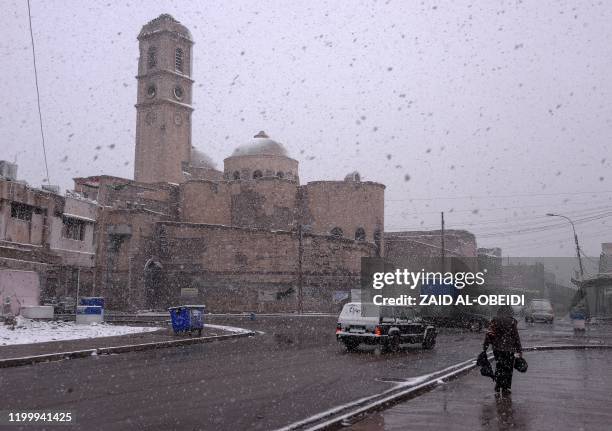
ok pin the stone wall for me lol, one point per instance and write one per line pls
(240, 269)
(124, 237)
(423, 249)
(124, 193)
(269, 203)
(348, 205)
(205, 202)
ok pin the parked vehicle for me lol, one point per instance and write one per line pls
(539, 310)
(471, 317)
(384, 326)
(518, 310)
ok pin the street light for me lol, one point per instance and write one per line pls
(575, 240)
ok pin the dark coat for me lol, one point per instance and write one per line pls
(503, 335)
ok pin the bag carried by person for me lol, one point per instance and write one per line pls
(520, 365)
(485, 366)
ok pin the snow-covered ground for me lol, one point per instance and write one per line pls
(233, 329)
(30, 331)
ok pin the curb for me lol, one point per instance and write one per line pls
(51, 357)
(337, 417)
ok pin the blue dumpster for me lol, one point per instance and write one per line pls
(92, 301)
(187, 318)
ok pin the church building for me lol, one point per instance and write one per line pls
(249, 237)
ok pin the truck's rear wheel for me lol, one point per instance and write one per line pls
(351, 345)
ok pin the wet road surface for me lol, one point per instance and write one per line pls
(562, 390)
(293, 370)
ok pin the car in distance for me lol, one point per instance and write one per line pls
(384, 326)
(539, 310)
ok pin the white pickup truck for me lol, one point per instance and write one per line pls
(388, 327)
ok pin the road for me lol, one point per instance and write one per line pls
(294, 369)
(563, 390)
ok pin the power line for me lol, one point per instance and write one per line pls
(544, 227)
(508, 220)
(405, 213)
(527, 243)
(535, 225)
(530, 244)
(42, 134)
(498, 196)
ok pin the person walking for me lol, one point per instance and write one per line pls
(504, 338)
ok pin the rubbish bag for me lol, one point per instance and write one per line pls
(485, 366)
(520, 365)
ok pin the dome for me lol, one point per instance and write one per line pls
(201, 160)
(261, 144)
(165, 22)
(353, 177)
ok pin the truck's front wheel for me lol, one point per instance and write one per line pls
(394, 343)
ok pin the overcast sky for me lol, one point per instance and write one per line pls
(509, 102)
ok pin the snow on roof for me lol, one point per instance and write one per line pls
(79, 217)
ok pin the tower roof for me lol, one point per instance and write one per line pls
(165, 22)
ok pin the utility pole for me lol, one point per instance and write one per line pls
(575, 241)
(78, 287)
(300, 277)
(442, 241)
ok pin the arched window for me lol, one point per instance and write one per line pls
(257, 174)
(178, 60)
(360, 234)
(236, 175)
(336, 232)
(152, 57)
(280, 174)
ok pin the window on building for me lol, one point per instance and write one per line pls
(74, 280)
(152, 57)
(257, 174)
(336, 232)
(360, 234)
(236, 175)
(280, 174)
(73, 229)
(178, 60)
(21, 211)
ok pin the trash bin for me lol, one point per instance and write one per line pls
(87, 314)
(187, 318)
(579, 319)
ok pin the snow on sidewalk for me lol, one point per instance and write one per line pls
(31, 331)
(233, 329)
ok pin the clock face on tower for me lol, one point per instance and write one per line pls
(178, 92)
(151, 91)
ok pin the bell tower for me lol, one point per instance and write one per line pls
(163, 107)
